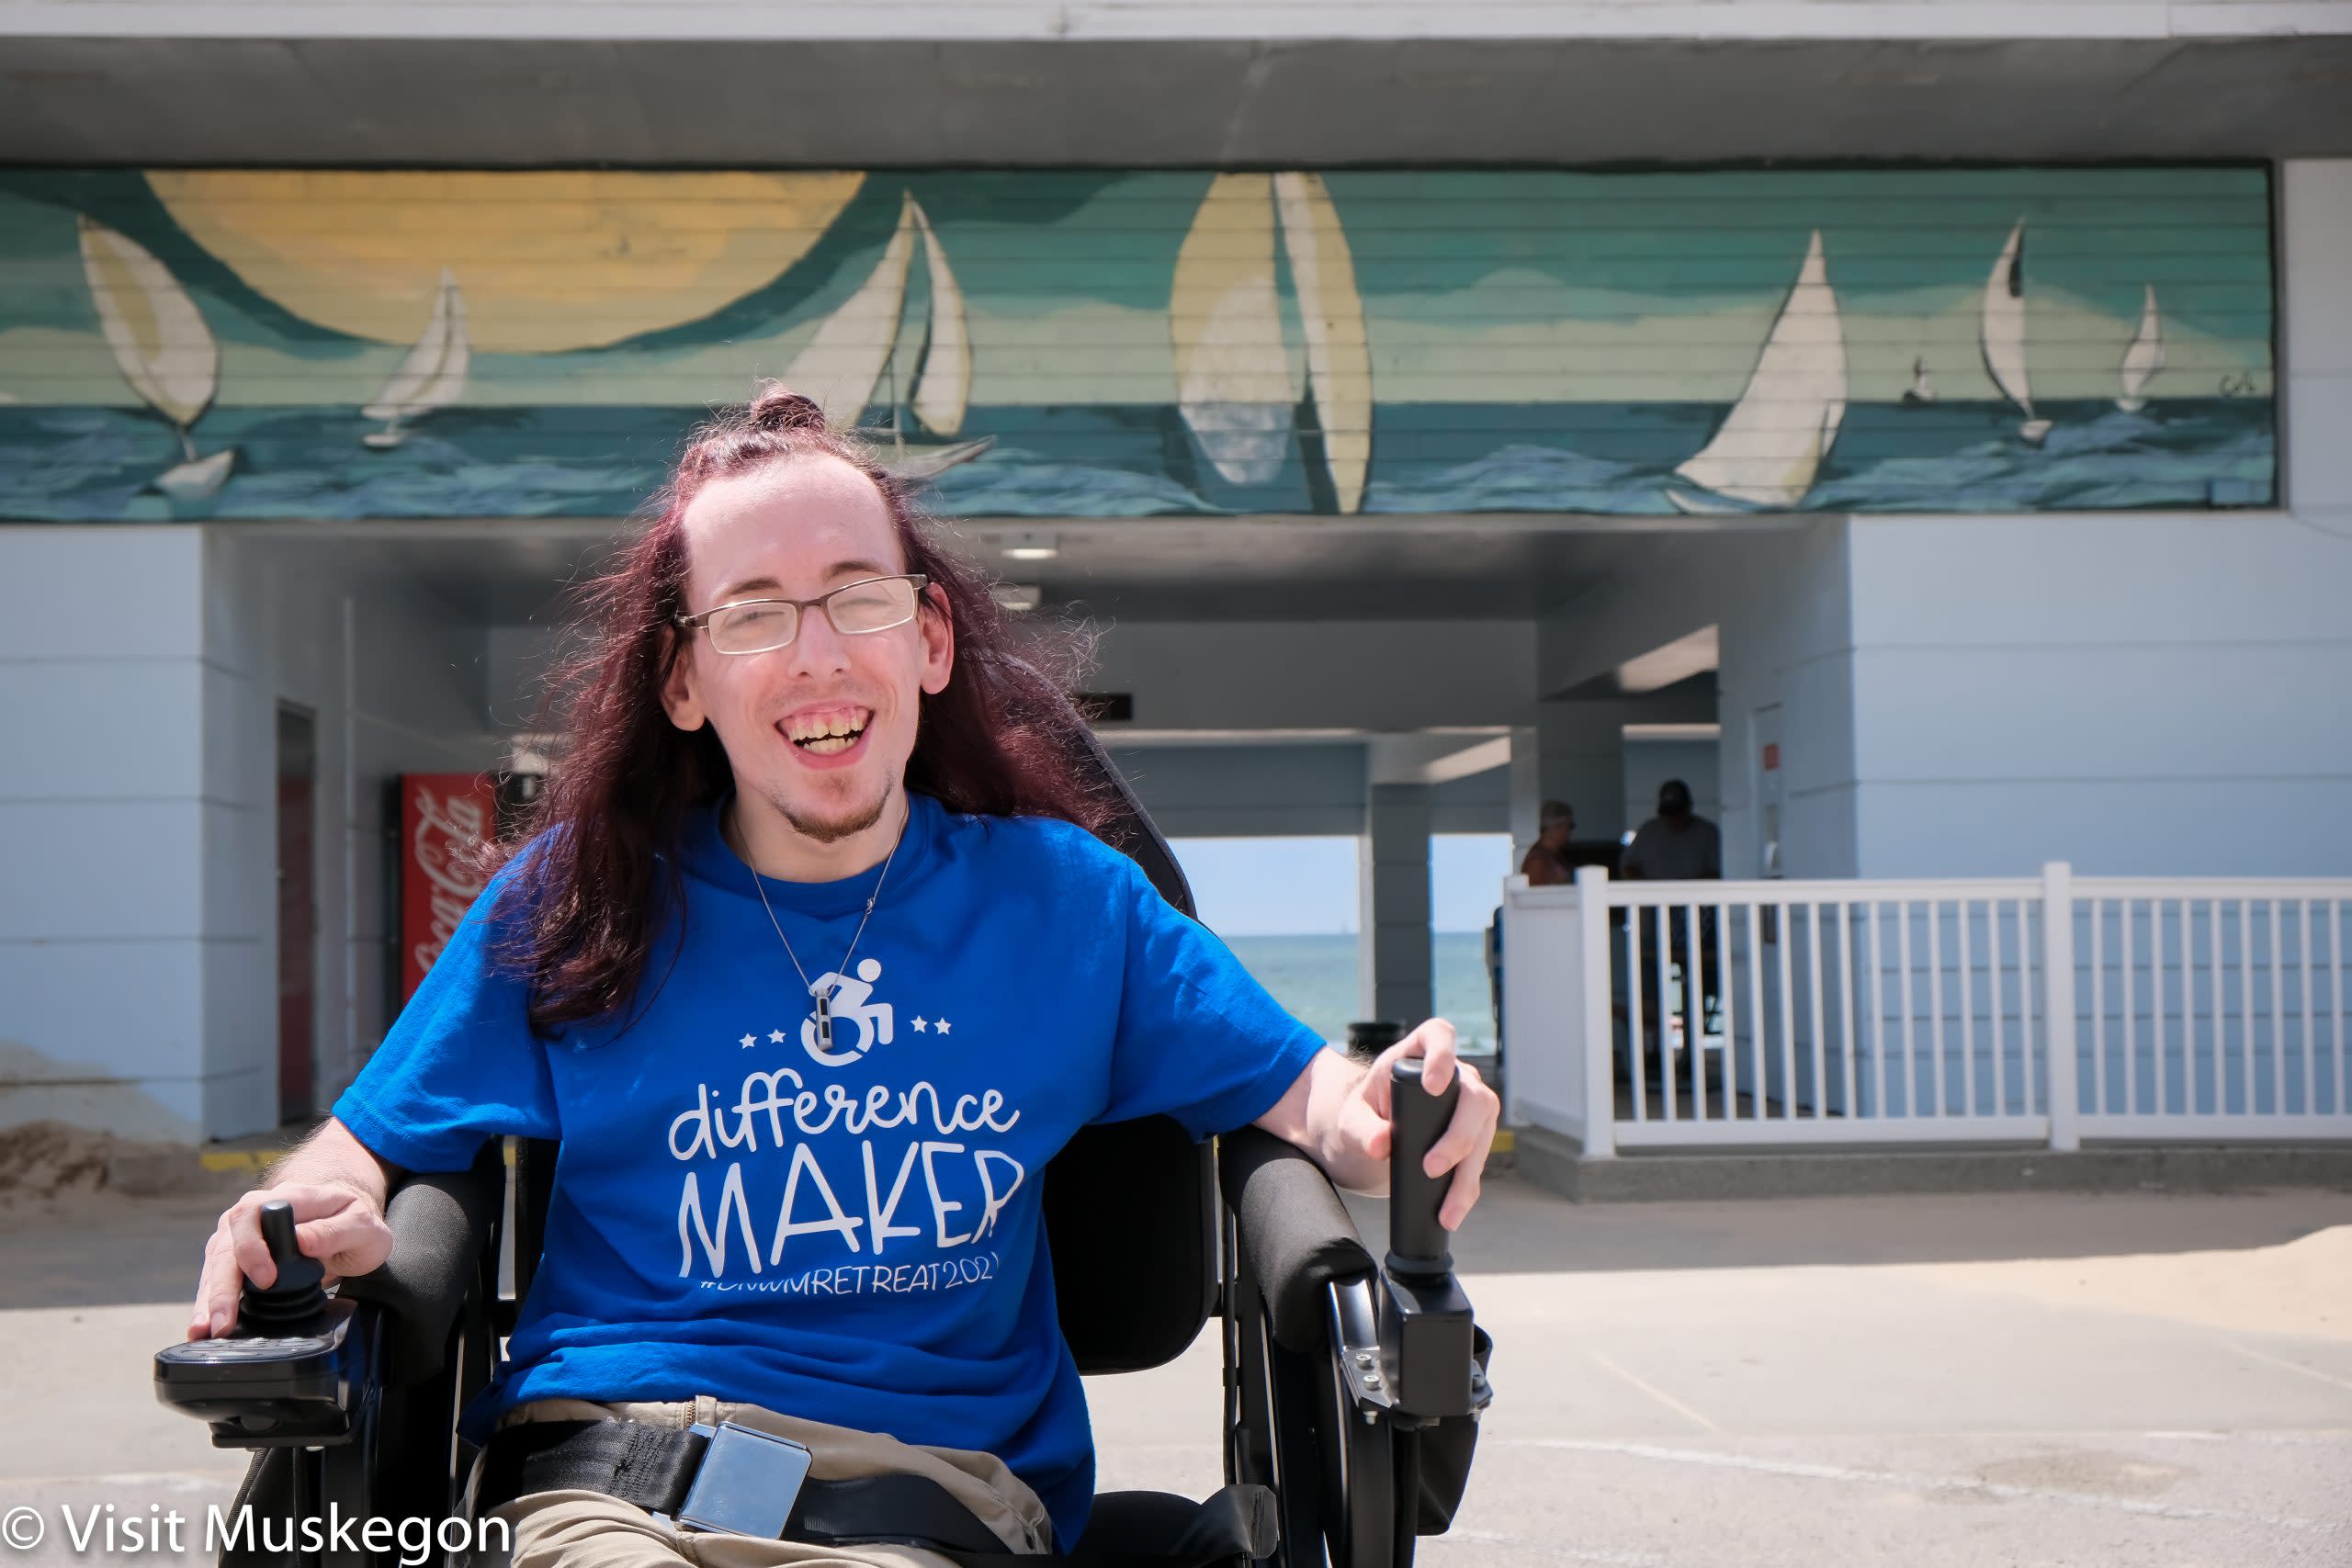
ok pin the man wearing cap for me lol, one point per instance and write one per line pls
(1680, 845)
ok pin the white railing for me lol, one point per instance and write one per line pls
(2045, 1010)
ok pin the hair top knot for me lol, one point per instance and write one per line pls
(778, 408)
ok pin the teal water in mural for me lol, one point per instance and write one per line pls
(96, 464)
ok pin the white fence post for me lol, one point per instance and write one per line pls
(1596, 1027)
(2058, 1003)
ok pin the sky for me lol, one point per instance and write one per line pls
(1307, 886)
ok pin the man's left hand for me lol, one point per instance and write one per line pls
(1343, 1114)
(1463, 1147)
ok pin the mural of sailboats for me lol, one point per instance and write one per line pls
(1234, 383)
(161, 347)
(2145, 357)
(2003, 333)
(842, 365)
(434, 374)
(1768, 447)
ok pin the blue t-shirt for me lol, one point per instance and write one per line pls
(849, 1234)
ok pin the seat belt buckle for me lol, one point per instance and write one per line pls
(747, 1483)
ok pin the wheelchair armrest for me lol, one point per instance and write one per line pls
(442, 1225)
(1295, 1232)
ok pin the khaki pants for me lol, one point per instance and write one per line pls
(588, 1529)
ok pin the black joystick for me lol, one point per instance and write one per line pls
(294, 1302)
(1418, 1245)
(1427, 1335)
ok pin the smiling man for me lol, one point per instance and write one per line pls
(811, 967)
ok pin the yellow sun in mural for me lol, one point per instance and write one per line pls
(547, 261)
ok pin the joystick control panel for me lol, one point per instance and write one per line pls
(288, 1374)
(1427, 1333)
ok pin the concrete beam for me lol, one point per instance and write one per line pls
(537, 84)
(1433, 759)
(1398, 981)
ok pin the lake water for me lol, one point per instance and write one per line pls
(1316, 978)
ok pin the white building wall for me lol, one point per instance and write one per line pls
(2315, 315)
(140, 670)
(1786, 637)
(2139, 695)
(105, 830)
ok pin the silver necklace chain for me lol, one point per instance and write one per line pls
(824, 998)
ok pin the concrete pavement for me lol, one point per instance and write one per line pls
(1922, 1381)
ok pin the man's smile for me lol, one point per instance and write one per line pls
(826, 731)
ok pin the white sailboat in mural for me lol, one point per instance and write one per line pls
(434, 374)
(1921, 392)
(2144, 358)
(162, 347)
(943, 386)
(1233, 372)
(1235, 384)
(2002, 333)
(842, 366)
(1339, 355)
(1768, 447)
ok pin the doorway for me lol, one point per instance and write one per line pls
(298, 910)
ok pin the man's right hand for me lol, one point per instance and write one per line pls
(337, 1224)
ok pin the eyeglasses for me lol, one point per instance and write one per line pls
(855, 609)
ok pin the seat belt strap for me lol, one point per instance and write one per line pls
(654, 1467)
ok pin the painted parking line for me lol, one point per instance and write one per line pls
(1654, 1391)
(2252, 1354)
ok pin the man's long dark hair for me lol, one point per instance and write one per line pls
(1003, 738)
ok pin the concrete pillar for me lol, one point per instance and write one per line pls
(109, 981)
(1581, 760)
(2315, 308)
(1526, 787)
(1396, 893)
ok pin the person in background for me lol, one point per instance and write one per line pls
(1547, 857)
(1680, 845)
(1676, 845)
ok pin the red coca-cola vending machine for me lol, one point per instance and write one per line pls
(447, 822)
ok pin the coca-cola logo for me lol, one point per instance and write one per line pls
(445, 846)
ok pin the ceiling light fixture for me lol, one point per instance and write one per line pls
(1018, 598)
(1032, 546)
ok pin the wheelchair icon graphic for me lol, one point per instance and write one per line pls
(847, 1002)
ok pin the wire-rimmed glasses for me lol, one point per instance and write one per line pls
(855, 609)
